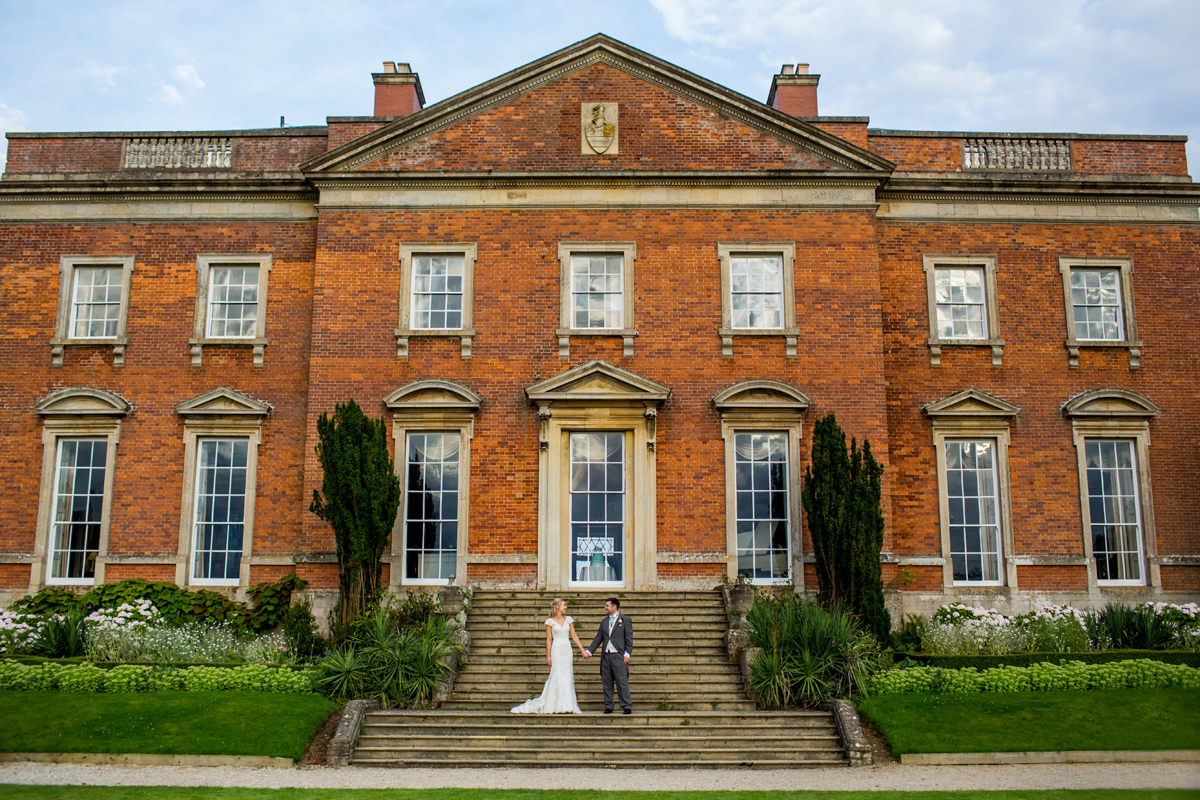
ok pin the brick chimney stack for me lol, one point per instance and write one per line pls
(794, 91)
(397, 91)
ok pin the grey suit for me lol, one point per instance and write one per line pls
(613, 668)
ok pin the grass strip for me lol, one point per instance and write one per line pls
(11, 792)
(180, 723)
(1003, 722)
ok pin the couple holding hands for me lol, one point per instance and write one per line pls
(615, 640)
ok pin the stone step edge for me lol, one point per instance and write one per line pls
(701, 764)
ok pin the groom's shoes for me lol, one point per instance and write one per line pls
(627, 711)
(608, 711)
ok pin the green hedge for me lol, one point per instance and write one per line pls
(147, 678)
(1044, 677)
(1191, 659)
(66, 662)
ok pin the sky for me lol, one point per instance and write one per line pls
(1083, 66)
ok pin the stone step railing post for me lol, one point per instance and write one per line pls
(452, 604)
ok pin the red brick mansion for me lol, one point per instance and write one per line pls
(601, 301)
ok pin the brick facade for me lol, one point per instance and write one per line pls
(502, 167)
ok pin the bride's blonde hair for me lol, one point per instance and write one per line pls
(554, 604)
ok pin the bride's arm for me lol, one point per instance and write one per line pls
(575, 637)
(549, 640)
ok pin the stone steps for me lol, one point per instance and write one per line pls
(690, 708)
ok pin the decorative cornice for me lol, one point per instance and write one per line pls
(589, 180)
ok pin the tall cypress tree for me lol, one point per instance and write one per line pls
(362, 495)
(842, 502)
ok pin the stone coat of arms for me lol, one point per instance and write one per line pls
(599, 128)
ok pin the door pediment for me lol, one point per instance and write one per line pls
(598, 383)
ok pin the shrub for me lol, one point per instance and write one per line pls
(19, 631)
(61, 637)
(134, 678)
(188, 643)
(809, 653)
(401, 666)
(300, 632)
(81, 678)
(175, 605)
(1041, 677)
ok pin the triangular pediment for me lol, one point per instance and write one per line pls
(1110, 403)
(971, 403)
(761, 395)
(223, 402)
(530, 119)
(598, 382)
(82, 401)
(433, 394)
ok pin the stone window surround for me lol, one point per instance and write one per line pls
(1131, 341)
(66, 295)
(74, 413)
(971, 414)
(628, 331)
(1115, 414)
(200, 338)
(993, 340)
(432, 405)
(242, 418)
(404, 330)
(789, 332)
(744, 409)
(565, 404)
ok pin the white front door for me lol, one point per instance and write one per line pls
(597, 509)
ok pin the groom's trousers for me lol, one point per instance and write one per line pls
(613, 669)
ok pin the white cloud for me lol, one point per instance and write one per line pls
(102, 73)
(168, 94)
(187, 75)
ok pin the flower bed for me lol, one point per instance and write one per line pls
(1069, 675)
(958, 629)
(1190, 658)
(122, 678)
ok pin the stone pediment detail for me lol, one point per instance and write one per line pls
(223, 402)
(598, 49)
(433, 394)
(82, 401)
(761, 395)
(971, 403)
(1110, 403)
(598, 382)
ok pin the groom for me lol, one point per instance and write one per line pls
(615, 637)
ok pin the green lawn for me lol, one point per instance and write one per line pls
(169, 793)
(1001, 722)
(185, 723)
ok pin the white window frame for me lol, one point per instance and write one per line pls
(404, 550)
(627, 332)
(218, 414)
(1130, 342)
(726, 252)
(944, 489)
(763, 406)
(991, 306)
(1108, 414)
(74, 413)
(63, 329)
(205, 263)
(431, 406)
(405, 331)
(194, 579)
(1141, 534)
(627, 437)
(973, 415)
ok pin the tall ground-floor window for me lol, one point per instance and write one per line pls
(761, 487)
(1112, 490)
(78, 509)
(598, 508)
(220, 510)
(974, 515)
(431, 507)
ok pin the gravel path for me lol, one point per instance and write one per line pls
(891, 777)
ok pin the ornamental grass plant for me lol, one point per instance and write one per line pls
(809, 653)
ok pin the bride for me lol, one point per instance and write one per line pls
(558, 694)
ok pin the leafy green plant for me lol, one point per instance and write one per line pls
(842, 502)
(62, 636)
(1043, 677)
(809, 653)
(127, 678)
(362, 495)
(300, 632)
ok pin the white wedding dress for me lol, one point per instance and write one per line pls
(558, 695)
